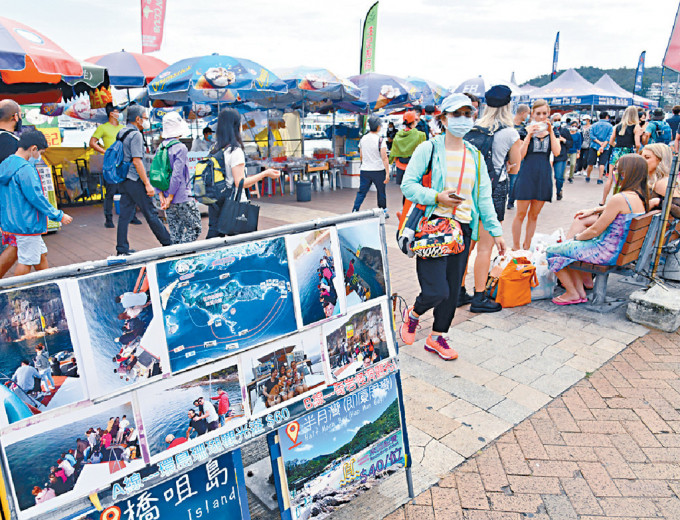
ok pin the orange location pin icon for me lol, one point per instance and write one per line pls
(293, 430)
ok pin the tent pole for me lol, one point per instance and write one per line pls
(302, 125)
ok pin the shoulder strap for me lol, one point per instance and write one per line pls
(379, 145)
(627, 202)
(122, 136)
(9, 133)
(427, 178)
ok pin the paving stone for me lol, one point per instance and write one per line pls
(523, 350)
(598, 479)
(439, 458)
(446, 503)
(517, 503)
(417, 437)
(581, 496)
(471, 392)
(542, 364)
(635, 507)
(501, 385)
(513, 459)
(506, 339)
(541, 485)
(498, 364)
(471, 491)
(459, 408)
(510, 411)
(559, 508)
(465, 441)
(495, 322)
(535, 334)
(528, 397)
(426, 393)
(485, 423)
(431, 422)
(522, 374)
(555, 384)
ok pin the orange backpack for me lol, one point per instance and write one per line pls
(515, 283)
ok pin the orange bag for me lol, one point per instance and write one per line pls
(515, 283)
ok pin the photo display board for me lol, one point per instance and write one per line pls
(140, 383)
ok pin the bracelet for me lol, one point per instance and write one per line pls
(436, 198)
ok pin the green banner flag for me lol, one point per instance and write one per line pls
(367, 63)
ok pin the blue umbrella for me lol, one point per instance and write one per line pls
(432, 93)
(214, 79)
(381, 91)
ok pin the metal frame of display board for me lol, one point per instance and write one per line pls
(384, 369)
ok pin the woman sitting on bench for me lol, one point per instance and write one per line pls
(601, 242)
(659, 157)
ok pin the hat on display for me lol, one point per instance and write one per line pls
(409, 117)
(454, 102)
(174, 126)
(498, 96)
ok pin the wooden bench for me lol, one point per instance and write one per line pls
(625, 265)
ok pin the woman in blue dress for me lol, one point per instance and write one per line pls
(601, 242)
(534, 186)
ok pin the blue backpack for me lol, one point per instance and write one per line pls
(115, 169)
(663, 133)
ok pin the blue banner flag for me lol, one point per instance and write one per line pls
(640, 73)
(556, 53)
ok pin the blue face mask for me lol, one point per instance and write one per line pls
(33, 161)
(208, 137)
(459, 126)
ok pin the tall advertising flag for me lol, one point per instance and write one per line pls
(367, 62)
(672, 57)
(153, 19)
(556, 53)
(639, 73)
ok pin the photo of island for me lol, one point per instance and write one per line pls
(362, 261)
(359, 340)
(39, 367)
(191, 407)
(283, 372)
(120, 329)
(219, 302)
(56, 461)
(340, 455)
(316, 264)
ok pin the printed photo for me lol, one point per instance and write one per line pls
(362, 261)
(191, 406)
(56, 461)
(39, 367)
(121, 330)
(358, 341)
(218, 302)
(319, 291)
(283, 372)
(341, 449)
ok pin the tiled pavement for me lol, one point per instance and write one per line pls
(511, 364)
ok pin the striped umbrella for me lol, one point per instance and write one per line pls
(129, 69)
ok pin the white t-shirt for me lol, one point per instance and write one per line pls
(371, 161)
(210, 410)
(232, 159)
(502, 142)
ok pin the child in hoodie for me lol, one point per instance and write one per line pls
(24, 209)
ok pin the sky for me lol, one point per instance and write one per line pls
(445, 41)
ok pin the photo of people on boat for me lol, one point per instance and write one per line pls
(38, 363)
(123, 332)
(358, 341)
(48, 462)
(315, 261)
(362, 261)
(283, 372)
(191, 406)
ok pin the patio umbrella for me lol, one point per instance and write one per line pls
(432, 93)
(381, 91)
(318, 84)
(214, 79)
(129, 69)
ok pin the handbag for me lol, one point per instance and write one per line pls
(238, 217)
(515, 283)
(440, 236)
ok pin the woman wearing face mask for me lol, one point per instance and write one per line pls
(534, 182)
(457, 169)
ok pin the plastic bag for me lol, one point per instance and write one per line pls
(547, 280)
(541, 239)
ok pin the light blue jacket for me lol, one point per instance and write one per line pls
(412, 188)
(24, 209)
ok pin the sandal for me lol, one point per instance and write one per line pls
(558, 301)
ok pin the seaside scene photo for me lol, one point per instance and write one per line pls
(39, 368)
(284, 372)
(218, 302)
(121, 329)
(56, 461)
(358, 341)
(195, 404)
(362, 261)
(340, 453)
(316, 264)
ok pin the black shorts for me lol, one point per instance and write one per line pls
(500, 199)
(601, 160)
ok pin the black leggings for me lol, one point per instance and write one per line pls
(440, 280)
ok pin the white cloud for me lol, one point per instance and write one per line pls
(304, 447)
(342, 424)
(440, 40)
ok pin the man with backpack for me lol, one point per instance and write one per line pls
(405, 143)
(135, 188)
(657, 130)
(10, 125)
(170, 175)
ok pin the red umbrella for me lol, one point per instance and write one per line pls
(129, 69)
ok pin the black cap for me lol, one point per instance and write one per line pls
(207, 130)
(658, 113)
(498, 96)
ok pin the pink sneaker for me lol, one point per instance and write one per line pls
(440, 347)
(408, 328)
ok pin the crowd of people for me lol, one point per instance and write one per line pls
(519, 162)
(283, 384)
(117, 442)
(359, 349)
(328, 295)
(34, 377)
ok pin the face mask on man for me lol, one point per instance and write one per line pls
(459, 126)
(34, 160)
(208, 137)
(17, 128)
(146, 124)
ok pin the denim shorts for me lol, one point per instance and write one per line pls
(30, 248)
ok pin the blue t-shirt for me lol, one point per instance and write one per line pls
(602, 131)
(659, 132)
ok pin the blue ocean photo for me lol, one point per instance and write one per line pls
(362, 261)
(165, 412)
(30, 459)
(219, 302)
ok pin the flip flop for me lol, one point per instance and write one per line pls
(557, 301)
(584, 300)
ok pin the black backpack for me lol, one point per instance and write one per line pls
(482, 139)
